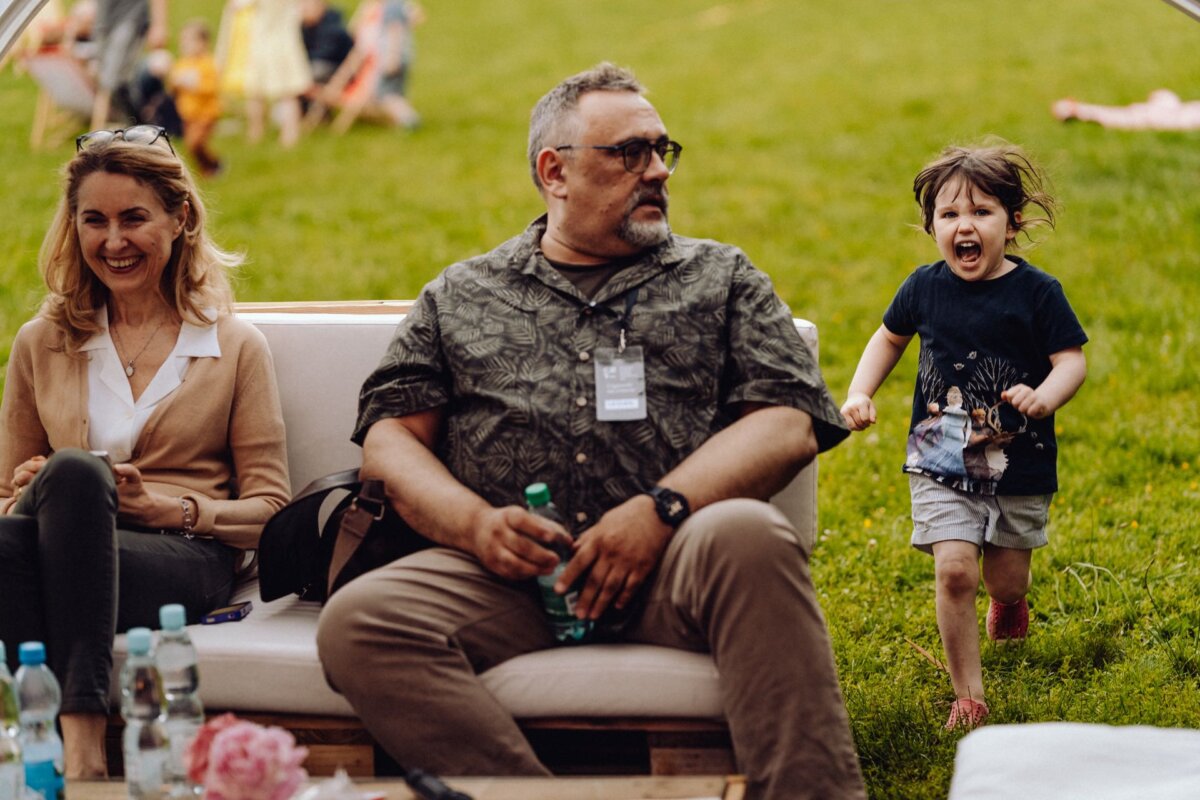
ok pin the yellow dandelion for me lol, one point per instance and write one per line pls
(867, 523)
(1134, 524)
(1185, 466)
(1058, 430)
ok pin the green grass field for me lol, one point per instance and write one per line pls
(803, 125)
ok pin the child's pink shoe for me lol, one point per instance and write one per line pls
(967, 713)
(1007, 621)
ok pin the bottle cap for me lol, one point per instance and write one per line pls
(32, 653)
(537, 494)
(172, 617)
(138, 641)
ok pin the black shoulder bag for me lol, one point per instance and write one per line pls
(297, 555)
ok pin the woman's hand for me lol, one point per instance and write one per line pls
(24, 474)
(138, 505)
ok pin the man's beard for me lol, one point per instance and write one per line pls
(645, 234)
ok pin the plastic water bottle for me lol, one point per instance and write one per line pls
(176, 658)
(560, 608)
(12, 767)
(144, 743)
(39, 697)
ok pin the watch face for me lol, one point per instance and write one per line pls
(672, 507)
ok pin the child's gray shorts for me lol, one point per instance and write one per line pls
(941, 513)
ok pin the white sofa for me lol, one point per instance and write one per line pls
(266, 664)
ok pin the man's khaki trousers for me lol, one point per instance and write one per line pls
(405, 643)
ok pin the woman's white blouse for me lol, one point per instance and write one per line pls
(115, 419)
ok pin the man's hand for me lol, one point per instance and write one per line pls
(508, 541)
(1026, 400)
(618, 552)
(859, 411)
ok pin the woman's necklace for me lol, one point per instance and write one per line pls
(129, 368)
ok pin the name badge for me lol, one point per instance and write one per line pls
(620, 384)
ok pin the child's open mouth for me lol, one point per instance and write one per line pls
(968, 251)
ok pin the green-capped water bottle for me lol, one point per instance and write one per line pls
(560, 608)
(12, 766)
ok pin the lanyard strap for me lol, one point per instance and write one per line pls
(631, 298)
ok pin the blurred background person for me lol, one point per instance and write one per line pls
(327, 41)
(195, 83)
(150, 101)
(122, 27)
(277, 71)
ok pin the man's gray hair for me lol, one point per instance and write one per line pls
(558, 104)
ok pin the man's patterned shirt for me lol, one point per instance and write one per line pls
(506, 345)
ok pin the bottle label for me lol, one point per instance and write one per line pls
(44, 778)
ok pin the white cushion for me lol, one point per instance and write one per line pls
(268, 662)
(1074, 761)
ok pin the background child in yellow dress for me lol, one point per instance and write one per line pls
(195, 82)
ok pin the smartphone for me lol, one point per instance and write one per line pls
(102, 454)
(227, 614)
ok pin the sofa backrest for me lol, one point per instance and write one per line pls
(324, 352)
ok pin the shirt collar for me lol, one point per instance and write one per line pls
(195, 341)
(528, 259)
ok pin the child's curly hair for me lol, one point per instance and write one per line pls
(1002, 171)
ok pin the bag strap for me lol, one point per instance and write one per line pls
(365, 509)
(346, 479)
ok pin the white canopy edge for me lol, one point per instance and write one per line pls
(14, 16)
(1189, 7)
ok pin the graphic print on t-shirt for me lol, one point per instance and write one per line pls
(963, 440)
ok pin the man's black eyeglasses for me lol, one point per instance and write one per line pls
(637, 153)
(138, 134)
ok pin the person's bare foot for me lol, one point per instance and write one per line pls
(84, 755)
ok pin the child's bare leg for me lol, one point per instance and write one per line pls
(956, 577)
(255, 123)
(287, 114)
(1006, 576)
(1006, 573)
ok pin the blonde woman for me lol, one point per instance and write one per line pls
(135, 356)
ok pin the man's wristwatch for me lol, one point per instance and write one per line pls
(671, 507)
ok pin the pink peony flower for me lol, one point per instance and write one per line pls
(245, 761)
(196, 758)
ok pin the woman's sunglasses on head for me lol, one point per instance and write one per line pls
(137, 134)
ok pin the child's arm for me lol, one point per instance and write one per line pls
(878, 359)
(1067, 371)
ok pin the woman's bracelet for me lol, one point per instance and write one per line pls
(189, 520)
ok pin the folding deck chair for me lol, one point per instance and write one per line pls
(65, 95)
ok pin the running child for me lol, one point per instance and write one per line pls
(1001, 351)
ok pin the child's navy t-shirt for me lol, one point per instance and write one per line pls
(979, 338)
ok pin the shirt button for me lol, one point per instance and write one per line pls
(581, 517)
(584, 356)
(581, 458)
(581, 401)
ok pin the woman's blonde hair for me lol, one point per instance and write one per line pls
(196, 276)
